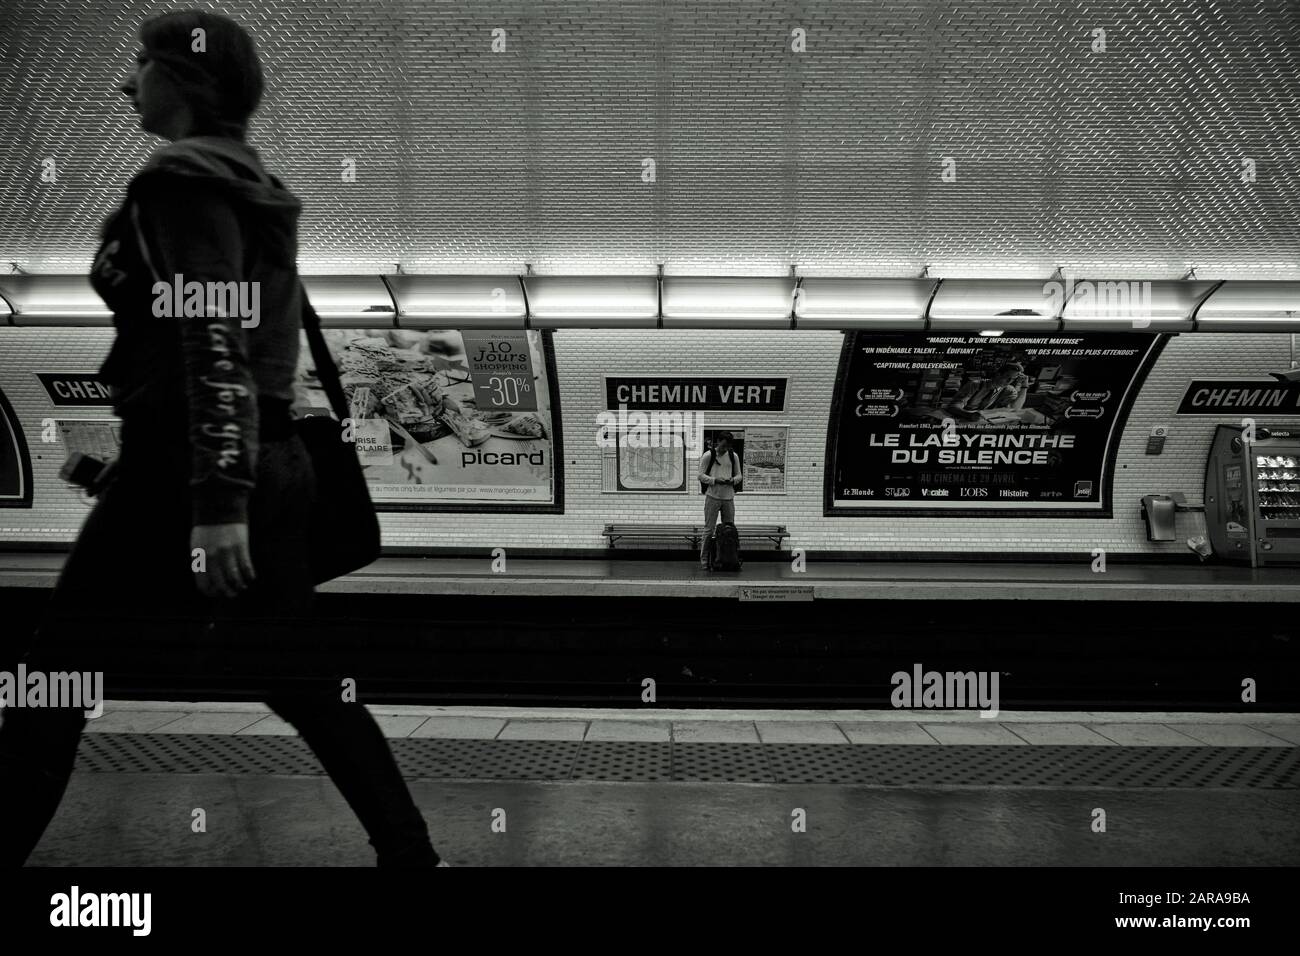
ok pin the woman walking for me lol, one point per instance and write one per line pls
(204, 515)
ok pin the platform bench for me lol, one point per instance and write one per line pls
(773, 534)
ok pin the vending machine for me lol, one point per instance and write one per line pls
(1252, 496)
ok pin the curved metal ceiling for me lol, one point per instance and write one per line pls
(1127, 162)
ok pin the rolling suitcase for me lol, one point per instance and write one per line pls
(724, 552)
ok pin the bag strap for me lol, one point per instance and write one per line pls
(713, 460)
(735, 462)
(326, 370)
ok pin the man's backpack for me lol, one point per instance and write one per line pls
(725, 552)
(735, 471)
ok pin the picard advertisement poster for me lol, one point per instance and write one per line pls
(981, 425)
(447, 420)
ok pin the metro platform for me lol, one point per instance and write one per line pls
(627, 577)
(581, 787)
(589, 632)
(772, 741)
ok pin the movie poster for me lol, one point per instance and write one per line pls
(976, 424)
(446, 418)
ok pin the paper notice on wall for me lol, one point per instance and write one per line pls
(96, 439)
(764, 461)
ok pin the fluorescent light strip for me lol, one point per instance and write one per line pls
(978, 305)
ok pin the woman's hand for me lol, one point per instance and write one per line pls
(227, 557)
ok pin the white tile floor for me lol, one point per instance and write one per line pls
(398, 725)
(1287, 732)
(950, 728)
(206, 723)
(886, 732)
(799, 732)
(1145, 735)
(630, 730)
(543, 730)
(989, 732)
(132, 721)
(269, 726)
(1233, 735)
(1075, 735)
(715, 731)
(461, 728)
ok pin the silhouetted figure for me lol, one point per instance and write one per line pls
(210, 458)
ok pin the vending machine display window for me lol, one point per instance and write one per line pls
(1277, 499)
(1252, 497)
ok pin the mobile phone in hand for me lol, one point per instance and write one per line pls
(81, 470)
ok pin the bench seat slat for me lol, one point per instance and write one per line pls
(775, 533)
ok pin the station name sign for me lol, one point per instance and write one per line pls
(735, 393)
(1234, 397)
(75, 388)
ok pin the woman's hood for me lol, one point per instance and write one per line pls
(230, 164)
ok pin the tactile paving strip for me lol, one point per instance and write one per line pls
(486, 759)
(624, 761)
(722, 763)
(1269, 768)
(195, 753)
(1058, 766)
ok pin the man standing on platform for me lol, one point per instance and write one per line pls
(721, 475)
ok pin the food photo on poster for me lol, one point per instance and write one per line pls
(981, 424)
(445, 418)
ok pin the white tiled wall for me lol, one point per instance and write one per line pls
(809, 359)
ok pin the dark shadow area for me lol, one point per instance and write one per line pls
(598, 651)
